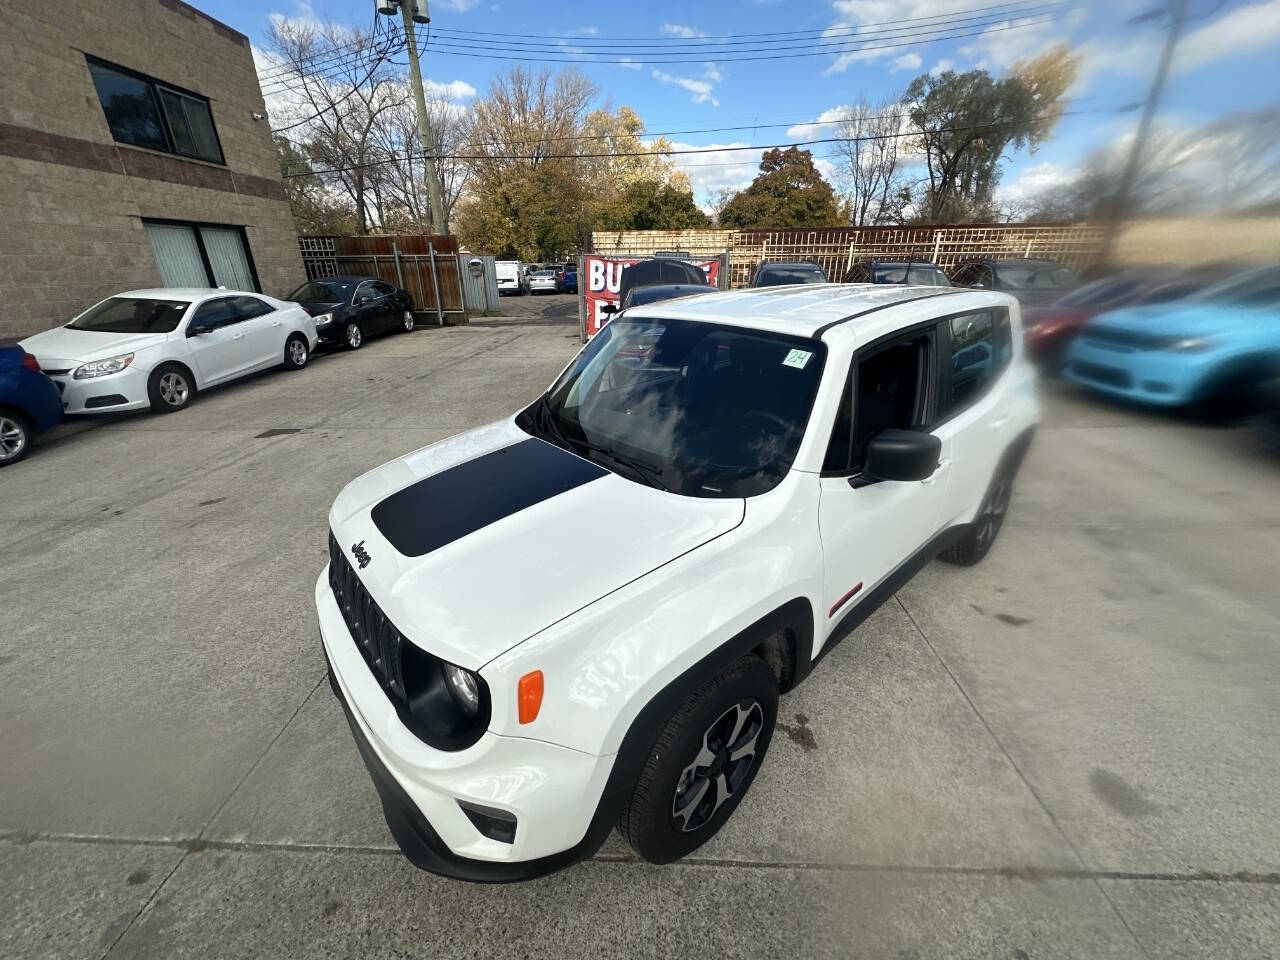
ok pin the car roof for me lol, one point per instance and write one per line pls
(788, 263)
(346, 278)
(184, 293)
(808, 310)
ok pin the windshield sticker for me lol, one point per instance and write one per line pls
(797, 359)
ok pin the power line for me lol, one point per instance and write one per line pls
(711, 39)
(510, 55)
(690, 151)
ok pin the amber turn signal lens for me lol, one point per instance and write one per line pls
(529, 696)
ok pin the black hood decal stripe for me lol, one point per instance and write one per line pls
(447, 506)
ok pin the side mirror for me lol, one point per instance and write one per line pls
(196, 329)
(896, 454)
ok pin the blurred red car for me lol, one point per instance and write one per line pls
(1051, 328)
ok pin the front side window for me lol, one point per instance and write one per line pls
(981, 348)
(147, 113)
(213, 314)
(132, 315)
(698, 409)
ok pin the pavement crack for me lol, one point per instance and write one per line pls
(1021, 775)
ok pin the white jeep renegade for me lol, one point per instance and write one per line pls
(582, 616)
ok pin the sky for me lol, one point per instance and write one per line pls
(1225, 62)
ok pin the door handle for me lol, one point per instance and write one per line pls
(997, 424)
(238, 336)
(943, 467)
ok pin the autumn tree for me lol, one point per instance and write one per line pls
(788, 192)
(653, 205)
(963, 123)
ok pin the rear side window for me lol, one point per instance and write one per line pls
(981, 348)
(249, 307)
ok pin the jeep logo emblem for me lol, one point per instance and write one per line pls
(361, 554)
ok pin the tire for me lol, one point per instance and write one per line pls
(296, 352)
(678, 804)
(170, 388)
(352, 335)
(16, 434)
(406, 321)
(982, 533)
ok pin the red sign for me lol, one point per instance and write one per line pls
(603, 276)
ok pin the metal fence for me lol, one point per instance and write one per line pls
(835, 249)
(427, 267)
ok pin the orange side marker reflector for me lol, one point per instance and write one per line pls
(529, 696)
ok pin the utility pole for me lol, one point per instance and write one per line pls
(411, 12)
(1177, 19)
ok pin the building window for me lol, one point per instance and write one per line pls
(201, 255)
(147, 113)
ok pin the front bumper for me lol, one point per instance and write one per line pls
(1157, 377)
(553, 792)
(126, 390)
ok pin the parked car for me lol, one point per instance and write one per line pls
(511, 278)
(1051, 327)
(1215, 348)
(348, 310)
(544, 281)
(1032, 280)
(657, 271)
(780, 274)
(157, 348)
(569, 282)
(714, 493)
(29, 403)
(653, 293)
(920, 272)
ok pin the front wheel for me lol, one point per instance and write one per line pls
(406, 321)
(353, 336)
(702, 763)
(15, 437)
(170, 388)
(296, 352)
(976, 543)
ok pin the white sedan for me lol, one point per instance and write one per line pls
(156, 348)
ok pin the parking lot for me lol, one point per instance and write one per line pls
(1068, 750)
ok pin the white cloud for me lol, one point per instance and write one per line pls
(851, 15)
(457, 6)
(587, 31)
(822, 126)
(680, 30)
(1242, 31)
(701, 88)
(453, 90)
(908, 61)
(719, 168)
(1035, 180)
(941, 67)
(629, 63)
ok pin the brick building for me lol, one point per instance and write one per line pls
(134, 152)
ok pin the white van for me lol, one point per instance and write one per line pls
(510, 278)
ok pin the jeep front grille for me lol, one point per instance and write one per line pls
(376, 638)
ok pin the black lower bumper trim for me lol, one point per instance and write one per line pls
(423, 846)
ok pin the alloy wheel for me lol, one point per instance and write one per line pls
(354, 336)
(993, 511)
(174, 389)
(719, 770)
(407, 320)
(12, 439)
(297, 352)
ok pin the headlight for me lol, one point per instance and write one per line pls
(101, 368)
(464, 685)
(322, 318)
(1189, 344)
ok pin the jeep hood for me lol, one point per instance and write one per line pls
(480, 541)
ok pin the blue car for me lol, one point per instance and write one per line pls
(1220, 344)
(29, 403)
(569, 283)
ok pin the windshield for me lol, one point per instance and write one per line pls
(1256, 286)
(132, 315)
(643, 295)
(317, 292)
(698, 409)
(1033, 276)
(780, 276)
(921, 273)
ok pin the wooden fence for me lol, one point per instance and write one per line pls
(426, 266)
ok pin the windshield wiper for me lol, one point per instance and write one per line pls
(648, 473)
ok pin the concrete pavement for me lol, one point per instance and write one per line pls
(1067, 751)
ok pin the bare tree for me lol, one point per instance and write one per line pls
(871, 173)
(331, 111)
(400, 175)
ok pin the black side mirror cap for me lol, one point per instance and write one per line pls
(896, 454)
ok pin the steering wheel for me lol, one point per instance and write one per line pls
(771, 417)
